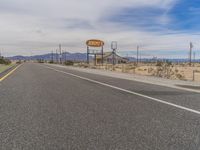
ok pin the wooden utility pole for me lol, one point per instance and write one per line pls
(190, 57)
(56, 56)
(52, 57)
(60, 50)
(137, 54)
(194, 56)
(65, 56)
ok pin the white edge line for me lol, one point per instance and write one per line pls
(127, 91)
(137, 80)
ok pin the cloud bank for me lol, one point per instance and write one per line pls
(35, 27)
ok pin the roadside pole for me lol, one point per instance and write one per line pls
(137, 54)
(190, 57)
(60, 50)
(56, 56)
(52, 56)
(194, 75)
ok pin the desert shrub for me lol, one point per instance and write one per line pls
(133, 67)
(159, 63)
(180, 76)
(19, 62)
(40, 61)
(150, 70)
(139, 69)
(69, 63)
(169, 63)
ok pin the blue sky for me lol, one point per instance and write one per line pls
(145, 18)
(184, 16)
(35, 27)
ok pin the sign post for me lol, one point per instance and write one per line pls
(94, 44)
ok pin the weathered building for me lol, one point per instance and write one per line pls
(109, 57)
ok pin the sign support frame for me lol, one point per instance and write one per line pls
(95, 43)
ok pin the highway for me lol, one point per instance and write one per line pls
(45, 107)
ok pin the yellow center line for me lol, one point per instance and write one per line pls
(8, 74)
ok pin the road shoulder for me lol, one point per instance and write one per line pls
(7, 72)
(182, 85)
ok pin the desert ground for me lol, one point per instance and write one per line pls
(174, 71)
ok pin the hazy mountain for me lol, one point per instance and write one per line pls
(83, 57)
(48, 57)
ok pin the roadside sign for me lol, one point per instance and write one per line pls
(95, 43)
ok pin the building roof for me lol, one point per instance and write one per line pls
(108, 54)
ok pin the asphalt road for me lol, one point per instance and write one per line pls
(53, 109)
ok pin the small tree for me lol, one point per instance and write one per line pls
(4, 61)
(159, 63)
(169, 63)
(51, 62)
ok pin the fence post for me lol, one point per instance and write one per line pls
(193, 75)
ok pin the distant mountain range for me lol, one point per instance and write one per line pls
(50, 56)
(83, 57)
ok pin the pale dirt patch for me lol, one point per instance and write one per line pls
(172, 71)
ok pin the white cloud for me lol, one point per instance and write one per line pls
(38, 26)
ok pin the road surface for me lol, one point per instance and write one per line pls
(51, 108)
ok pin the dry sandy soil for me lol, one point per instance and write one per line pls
(164, 70)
